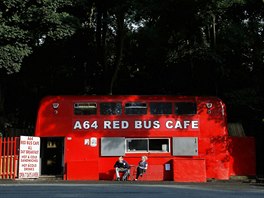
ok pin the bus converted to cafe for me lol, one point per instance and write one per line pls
(184, 137)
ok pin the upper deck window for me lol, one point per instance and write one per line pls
(161, 108)
(85, 108)
(110, 108)
(185, 108)
(136, 108)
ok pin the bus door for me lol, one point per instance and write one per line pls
(52, 156)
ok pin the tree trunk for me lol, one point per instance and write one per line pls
(119, 47)
(101, 30)
(98, 32)
(214, 31)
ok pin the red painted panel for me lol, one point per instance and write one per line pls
(82, 170)
(154, 173)
(189, 170)
(242, 156)
(215, 152)
(217, 167)
(62, 121)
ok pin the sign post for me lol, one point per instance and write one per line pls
(29, 156)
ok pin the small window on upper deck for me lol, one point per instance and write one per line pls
(110, 108)
(136, 108)
(185, 108)
(85, 108)
(161, 108)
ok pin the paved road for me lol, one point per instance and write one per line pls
(128, 190)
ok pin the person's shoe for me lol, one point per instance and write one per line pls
(135, 179)
(118, 179)
(123, 179)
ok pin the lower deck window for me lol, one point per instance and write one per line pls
(147, 145)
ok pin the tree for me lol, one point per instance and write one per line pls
(26, 24)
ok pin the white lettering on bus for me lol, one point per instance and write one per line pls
(178, 125)
(147, 124)
(116, 124)
(186, 123)
(156, 124)
(77, 125)
(124, 124)
(138, 124)
(107, 125)
(169, 124)
(182, 124)
(85, 125)
(195, 124)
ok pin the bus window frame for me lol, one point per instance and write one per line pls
(83, 114)
(161, 102)
(117, 102)
(138, 107)
(148, 150)
(184, 114)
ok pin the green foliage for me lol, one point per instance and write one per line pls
(11, 56)
(225, 4)
(25, 24)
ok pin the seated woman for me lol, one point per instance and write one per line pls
(121, 166)
(142, 167)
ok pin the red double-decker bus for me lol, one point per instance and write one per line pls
(184, 137)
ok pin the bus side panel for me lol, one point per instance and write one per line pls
(159, 169)
(243, 156)
(212, 118)
(215, 152)
(189, 170)
(82, 170)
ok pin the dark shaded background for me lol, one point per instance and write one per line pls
(121, 47)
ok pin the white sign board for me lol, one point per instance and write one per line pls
(29, 157)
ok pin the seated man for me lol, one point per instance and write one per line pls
(121, 166)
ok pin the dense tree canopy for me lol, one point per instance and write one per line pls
(26, 24)
(178, 47)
